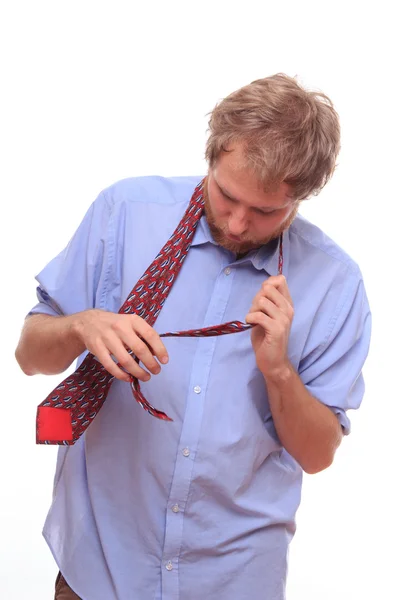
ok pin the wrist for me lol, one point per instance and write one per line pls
(76, 327)
(279, 375)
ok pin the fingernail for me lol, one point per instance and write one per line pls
(164, 360)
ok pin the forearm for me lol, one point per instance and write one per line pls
(307, 429)
(48, 345)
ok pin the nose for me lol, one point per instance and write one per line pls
(237, 223)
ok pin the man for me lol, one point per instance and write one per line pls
(143, 508)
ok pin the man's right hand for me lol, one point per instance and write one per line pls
(49, 344)
(107, 334)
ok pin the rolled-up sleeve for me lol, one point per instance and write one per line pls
(75, 280)
(332, 373)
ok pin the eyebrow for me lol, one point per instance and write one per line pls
(225, 192)
(262, 208)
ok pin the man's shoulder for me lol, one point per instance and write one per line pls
(151, 189)
(310, 243)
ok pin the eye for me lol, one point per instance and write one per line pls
(264, 212)
(227, 197)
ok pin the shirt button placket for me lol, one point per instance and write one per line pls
(190, 436)
(169, 566)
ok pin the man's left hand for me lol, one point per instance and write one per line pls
(272, 313)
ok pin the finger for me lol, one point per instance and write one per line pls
(260, 318)
(125, 360)
(268, 307)
(271, 293)
(276, 296)
(279, 282)
(151, 338)
(142, 351)
(274, 327)
(103, 356)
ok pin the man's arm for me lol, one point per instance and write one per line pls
(48, 344)
(307, 429)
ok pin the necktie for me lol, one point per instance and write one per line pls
(70, 408)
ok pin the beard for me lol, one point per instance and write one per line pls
(220, 234)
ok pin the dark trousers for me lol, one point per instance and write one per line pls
(63, 591)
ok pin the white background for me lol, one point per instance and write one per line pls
(95, 91)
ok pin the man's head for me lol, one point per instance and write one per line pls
(271, 145)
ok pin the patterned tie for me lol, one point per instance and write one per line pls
(70, 408)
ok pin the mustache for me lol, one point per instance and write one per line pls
(243, 239)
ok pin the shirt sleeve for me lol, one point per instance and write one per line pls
(75, 279)
(332, 372)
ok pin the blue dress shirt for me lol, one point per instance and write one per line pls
(204, 506)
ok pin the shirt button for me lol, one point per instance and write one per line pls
(186, 452)
(169, 566)
(197, 389)
(227, 271)
(175, 508)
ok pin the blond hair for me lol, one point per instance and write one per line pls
(290, 134)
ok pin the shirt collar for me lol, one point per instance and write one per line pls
(202, 233)
(265, 258)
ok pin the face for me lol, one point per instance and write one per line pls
(240, 213)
